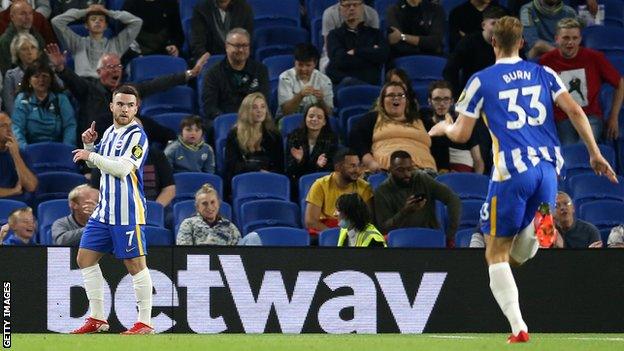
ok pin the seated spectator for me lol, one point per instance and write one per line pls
(355, 222)
(477, 240)
(311, 146)
(20, 231)
(450, 156)
(320, 212)
(616, 237)
(466, 18)
(398, 75)
(207, 227)
(213, 20)
(42, 112)
(161, 32)
(539, 19)
(415, 27)
(82, 201)
(584, 71)
(356, 52)
(16, 176)
(88, 50)
(190, 153)
(392, 126)
(228, 82)
(303, 85)
(59, 7)
(40, 6)
(408, 199)
(576, 233)
(254, 144)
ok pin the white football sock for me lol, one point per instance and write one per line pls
(505, 292)
(93, 281)
(524, 245)
(142, 283)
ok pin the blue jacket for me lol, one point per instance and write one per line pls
(187, 158)
(52, 121)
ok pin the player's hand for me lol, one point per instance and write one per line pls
(439, 129)
(90, 135)
(81, 155)
(172, 50)
(602, 167)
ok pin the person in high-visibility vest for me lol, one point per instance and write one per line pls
(356, 229)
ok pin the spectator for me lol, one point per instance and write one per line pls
(16, 176)
(42, 111)
(584, 71)
(408, 199)
(356, 52)
(161, 32)
(20, 231)
(228, 82)
(21, 22)
(390, 127)
(415, 27)
(41, 6)
(466, 19)
(320, 212)
(355, 222)
(576, 233)
(212, 22)
(450, 156)
(39, 23)
(207, 227)
(189, 153)
(94, 96)
(254, 144)
(311, 146)
(68, 230)
(304, 85)
(88, 50)
(398, 75)
(539, 19)
(616, 237)
(59, 7)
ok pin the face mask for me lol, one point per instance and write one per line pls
(343, 223)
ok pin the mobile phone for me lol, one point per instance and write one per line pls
(419, 196)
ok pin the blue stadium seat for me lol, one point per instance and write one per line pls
(377, 178)
(213, 60)
(187, 184)
(289, 123)
(576, 158)
(357, 95)
(617, 59)
(170, 120)
(316, 33)
(315, 8)
(157, 236)
(588, 187)
(381, 6)
(268, 213)
(350, 125)
(422, 69)
(47, 213)
(56, 185)
(416, 237)
(305, 182)
(220, 156)
(7, 206)
(466, 185)
(462, 237)
(268, 12)
(605, 39)
(148, 67)
(346, 113)
(186, 8)
(177, 99)
(283, 236)
(278, 64)
(185, 209)
(50, 157)
(115, 5)
(602, 213)
(470, 214)
(614, 12)
(277, 40)
(223, 124)
(155, 214)
(256, 186)
(186, 30)
(329, 237)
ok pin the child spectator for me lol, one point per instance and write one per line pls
(190, 153)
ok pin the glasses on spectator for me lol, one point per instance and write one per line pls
(441, 99)
(239, 46)
(351, 4)
(563, 204)
(395, 96)
(111, 67)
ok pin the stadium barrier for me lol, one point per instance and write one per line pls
(322, 290)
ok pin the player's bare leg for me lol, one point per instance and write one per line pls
(93, 280)
(142, 282)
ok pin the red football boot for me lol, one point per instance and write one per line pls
(139, 329)
(521, 337)
(91, 326)
(545, 226)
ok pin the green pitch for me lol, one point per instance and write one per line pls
(274, 342)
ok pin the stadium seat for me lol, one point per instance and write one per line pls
(148, 67)
(422, 69)
(187, 184)
(223, 124)
(278, 64)
(416, 237)
(316, 35)
(155, 214)
(462, 237)
(315, 8)
(377, 178)
(157, 236)
(185, 209)
(617, 59)
(470, 214)
(604, 38)
(269, 12)
(329, 237)
(576, 158)
(56, 185)
(170, 120)
(220, 156)
(48, 212)
(177, 99)
(186, 8)
(602, 213)
(305, 182)
(381, 6)
(277, 40)
(115, 5)
(346, 113)
(289, 123)
(258, 186)
(614, 13)
(268, 213)
(213, 60)
(7, 206)
(588, 187)
(350, 125)
(365, 95)
(466, 185)
(283, 236)
(51, 157)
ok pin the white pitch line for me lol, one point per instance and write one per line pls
(561, 338)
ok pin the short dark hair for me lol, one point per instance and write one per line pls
(493, 12)
(306, 52)
(127, 89)
(400, 154)
(353, 207)
(191, 120)
(340, 155)
(439, 84)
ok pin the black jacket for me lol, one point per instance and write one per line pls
(471, 55)
(425, 20)
(270, 158)
(327, 144)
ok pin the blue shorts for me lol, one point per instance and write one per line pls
(125, 241)
(511, 205)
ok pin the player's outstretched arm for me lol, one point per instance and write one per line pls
(459, 132)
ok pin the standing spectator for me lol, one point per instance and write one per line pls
(207, 226)
(408, 199)
(236, 76)
(304, 85)
(88, 50)
(190, 153)
(466, 19)
(82, 201)
(415, 27)
(539, 19)
(16, 176)
(161, 32)
(355, 222)
(583, 71)
(356, 52)
(40, 6)
(576, 233)
(42, 111)
(212, 22)
(254, 144)
(20, 231)
(21, 22)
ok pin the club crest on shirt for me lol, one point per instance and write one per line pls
(119, 145)
(137, 151)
